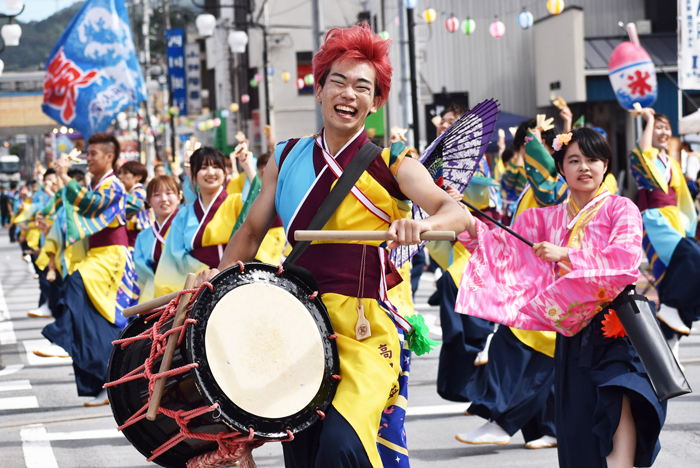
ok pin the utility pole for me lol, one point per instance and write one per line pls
(387, 119)
(147, 69)
(316, 43)
(414, 82)
(404, 65)
(167, 104)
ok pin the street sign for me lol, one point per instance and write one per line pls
(176, 68)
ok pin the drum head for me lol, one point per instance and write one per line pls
(263, 351)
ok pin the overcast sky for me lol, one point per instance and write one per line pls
(37, 10)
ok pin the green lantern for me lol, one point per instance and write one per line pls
(253, 83)
(309, 80)
(468, 26)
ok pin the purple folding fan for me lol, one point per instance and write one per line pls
(453, 157)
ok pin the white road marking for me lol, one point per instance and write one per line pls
(14, 385)
(11, 369)
(78, 435)
(430, 321)
(4, 311)
(7, 333)
(457, 408)
(34, 360)
(23, 402)
(37, 448)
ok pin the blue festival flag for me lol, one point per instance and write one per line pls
(93, 72)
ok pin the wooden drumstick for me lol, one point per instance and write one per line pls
(149, 305)
(366, 236)
(170, 349)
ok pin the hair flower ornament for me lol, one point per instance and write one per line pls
(561, 140)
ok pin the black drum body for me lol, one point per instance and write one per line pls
(238, 346)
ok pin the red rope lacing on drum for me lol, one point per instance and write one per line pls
(233, 446)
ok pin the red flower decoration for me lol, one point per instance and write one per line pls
(612, 328)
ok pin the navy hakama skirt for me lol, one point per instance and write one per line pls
(463, 337)
(85, 334)
(516, 388)
(592, 375)
(681, 283)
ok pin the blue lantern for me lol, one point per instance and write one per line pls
(411, 4)
(525, 20)
(270, 70)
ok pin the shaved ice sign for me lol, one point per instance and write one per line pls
(632, 76)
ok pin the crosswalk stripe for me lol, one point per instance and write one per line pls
(457, 408)
(7, 333)
(24, 402)
(11, 369)
(37, 449)
(79, 435)
(34, 360)
(15, 385)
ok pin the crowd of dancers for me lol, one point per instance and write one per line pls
(527, 333)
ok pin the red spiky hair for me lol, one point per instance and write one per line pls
(358, 43)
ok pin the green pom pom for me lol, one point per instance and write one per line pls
(418, 341)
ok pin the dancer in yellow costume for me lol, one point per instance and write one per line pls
(353, 77)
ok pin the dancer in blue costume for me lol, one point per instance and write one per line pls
(163, 196)
(670, 222)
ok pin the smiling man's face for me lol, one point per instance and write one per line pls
(348, 96)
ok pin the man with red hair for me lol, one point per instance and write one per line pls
(352, 75)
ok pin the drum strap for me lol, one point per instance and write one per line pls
(346, 182)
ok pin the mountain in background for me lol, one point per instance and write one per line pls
(39, 37)
(37, 41)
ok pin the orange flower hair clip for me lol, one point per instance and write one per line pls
(562, 139)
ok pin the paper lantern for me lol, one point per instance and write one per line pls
(210, 124)
(451, 24)
(253, 83)
(217, 121)
(233, 107)
(309, 80)
(245, 99)
(300, 83)
(258, 77)
(270, 70)
(385, 35)
(497, 29)
(525, 20)
(224, 114)
(632, 76)
(555, 6)
(175, 111)
(468, 26)
(430, 15)
(286, 76)
(411, 4)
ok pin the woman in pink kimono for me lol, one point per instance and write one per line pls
(586, 252)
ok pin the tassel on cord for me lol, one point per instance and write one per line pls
(418, 341)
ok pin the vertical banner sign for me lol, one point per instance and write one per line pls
(176, 68)
(193, 73)
(689, 73)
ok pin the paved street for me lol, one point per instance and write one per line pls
(43, 423)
